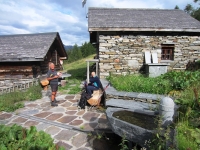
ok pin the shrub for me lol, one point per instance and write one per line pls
(182, 80)
(17, 137)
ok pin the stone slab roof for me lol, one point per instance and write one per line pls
(122, 19)
(28, 47)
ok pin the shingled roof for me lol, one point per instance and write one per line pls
(126, 19)
(29, 47)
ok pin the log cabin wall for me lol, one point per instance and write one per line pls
(56, 60)
(30, 69)
(55, 57)
(24, 69)
(44, 65)
(52, 56)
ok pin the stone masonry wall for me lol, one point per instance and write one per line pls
(122, 54)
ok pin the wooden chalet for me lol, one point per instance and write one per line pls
(28, 55)
(123, 35)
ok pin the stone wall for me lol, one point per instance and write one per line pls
(11, 85)
(122, 54)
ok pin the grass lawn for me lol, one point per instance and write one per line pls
(78, 71)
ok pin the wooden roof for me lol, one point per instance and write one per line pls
(127, 19)
(29, 47)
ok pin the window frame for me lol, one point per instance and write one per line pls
(168, 50)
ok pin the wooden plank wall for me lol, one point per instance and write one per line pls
(56, 60)
(52, 56)
(25, 69)
(16, 69)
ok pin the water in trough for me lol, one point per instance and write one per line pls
(142, 120)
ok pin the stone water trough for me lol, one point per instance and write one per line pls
(137, 121)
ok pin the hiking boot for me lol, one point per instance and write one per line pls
(53, 103)
(56, 101)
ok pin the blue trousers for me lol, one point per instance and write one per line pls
(90, 89)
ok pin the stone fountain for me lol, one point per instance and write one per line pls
(136, 122)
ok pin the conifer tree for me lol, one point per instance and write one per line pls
(192, 10)
(176, 7)
(83, 51)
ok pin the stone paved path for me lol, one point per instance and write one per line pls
(68, 125)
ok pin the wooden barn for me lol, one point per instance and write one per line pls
(28, 55)
(122, 36)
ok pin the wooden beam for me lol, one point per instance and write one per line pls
(88, 67)
(21, 59)
(142, 29)
(63, 57)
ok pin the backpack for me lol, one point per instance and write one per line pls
(83, 100)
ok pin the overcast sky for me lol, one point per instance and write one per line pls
(67, 17)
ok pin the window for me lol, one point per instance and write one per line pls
(167, 52)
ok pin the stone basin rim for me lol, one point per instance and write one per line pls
(112, 110)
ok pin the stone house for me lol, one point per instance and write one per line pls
(123, 35)
(28, 55)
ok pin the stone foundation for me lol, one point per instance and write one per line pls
(7, 86)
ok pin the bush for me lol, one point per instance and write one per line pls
(17, 137)
(182, 80)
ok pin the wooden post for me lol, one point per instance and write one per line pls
(88, 67)
(97, 72)
(88, 71)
